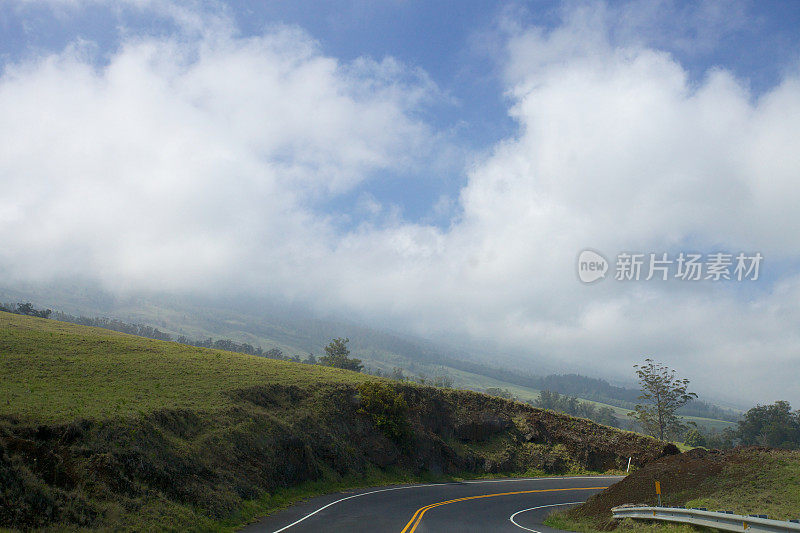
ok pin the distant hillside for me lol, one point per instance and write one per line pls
(100, 429)
(295, 333)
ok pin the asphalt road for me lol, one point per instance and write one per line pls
(504, 505)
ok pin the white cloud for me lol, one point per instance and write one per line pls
(195, 156)
(619, 151)
(196, 163)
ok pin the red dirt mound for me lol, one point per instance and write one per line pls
(680, 477)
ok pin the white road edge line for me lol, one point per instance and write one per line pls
(531, 509)
(309, 515)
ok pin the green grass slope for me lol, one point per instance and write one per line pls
(102, 430)
(193, 375)
(298, 332)
(58, 372)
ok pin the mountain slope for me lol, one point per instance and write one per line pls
(294, 331)
(100, 429)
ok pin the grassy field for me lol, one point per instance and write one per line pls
(187, 377)
(294, 338)
(81, 372)
(765, 483)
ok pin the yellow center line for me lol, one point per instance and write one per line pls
(417, 518)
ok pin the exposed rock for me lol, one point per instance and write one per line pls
(481, 426)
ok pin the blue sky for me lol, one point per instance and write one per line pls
(436, 37)
(431, 168)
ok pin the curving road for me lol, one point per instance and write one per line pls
(504, 505)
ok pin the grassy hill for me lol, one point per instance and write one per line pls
(104, 430)
(55, 372)
(294, 332)
(742, 480)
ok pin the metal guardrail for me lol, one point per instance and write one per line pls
(701, 517)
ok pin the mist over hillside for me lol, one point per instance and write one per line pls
(289, 326)
(297, 331)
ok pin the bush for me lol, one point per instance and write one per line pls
(387, 408)
(694, 438)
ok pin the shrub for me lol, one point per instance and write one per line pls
(387, 408)
(694, 438)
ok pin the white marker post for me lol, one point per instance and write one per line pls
(629, 465)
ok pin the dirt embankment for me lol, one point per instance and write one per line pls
(680, 477)
(204, 465)
(744, 480)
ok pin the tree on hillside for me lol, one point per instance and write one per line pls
(337, 355)
(662, 394)
(443, 381)
(27, 309)
(771, 425)
(572, 406)
(694, 438)
(274, 353)
(497, 391)
(724, 439)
